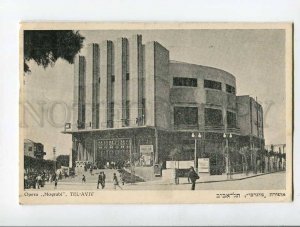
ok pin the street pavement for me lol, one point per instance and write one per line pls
(272, 181)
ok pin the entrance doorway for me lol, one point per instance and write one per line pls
(113, 153)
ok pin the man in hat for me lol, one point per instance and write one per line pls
(193, 176)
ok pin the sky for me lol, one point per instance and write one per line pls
(255, 57)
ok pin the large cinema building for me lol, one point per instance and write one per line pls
(133, 105)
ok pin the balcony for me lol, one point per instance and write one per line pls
(122, 123)
(186, 127)
(221, 129)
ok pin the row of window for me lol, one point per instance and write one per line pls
(188, 116)
(230, 89)
(113, 78)
(212, 84)
(186, 82)
(192, 82)
(183, 117)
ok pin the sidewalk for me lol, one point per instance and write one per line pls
(160, 183)
(219, 178)
(206, 178)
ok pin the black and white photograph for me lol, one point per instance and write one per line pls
(184, 113)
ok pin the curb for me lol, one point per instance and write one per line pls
(224, 180)
(242, 178)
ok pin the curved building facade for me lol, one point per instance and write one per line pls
(211, 92)
(134, 106)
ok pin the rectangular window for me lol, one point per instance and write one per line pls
(184, 82)
(184, 117)
(81, 116)
(112, 109)
(112, 78)
(127, 110)
(81, 94)
(143, 110)
(230, 89)
(213, 117)
(212, 84)
(97, 115)
(231, 119)
(127, 76)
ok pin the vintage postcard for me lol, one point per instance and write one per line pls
(155, 113)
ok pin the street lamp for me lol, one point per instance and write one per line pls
(228, 172)
(195, 152)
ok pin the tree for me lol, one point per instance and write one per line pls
(245, 152)
(175, 154)
(46, 46)
(63, 160)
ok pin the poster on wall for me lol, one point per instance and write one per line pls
(146, 155)
(203, 165)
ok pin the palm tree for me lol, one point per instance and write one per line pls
(244, 151)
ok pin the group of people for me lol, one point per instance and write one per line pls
(102, 178)
(36, 179)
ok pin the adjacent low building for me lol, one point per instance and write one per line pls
(133, 106)
(33, 149)
(275, 159)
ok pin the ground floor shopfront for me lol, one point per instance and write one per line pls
(148, 146)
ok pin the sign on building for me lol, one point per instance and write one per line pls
(203, 165)
(179, 164)
(146, 155)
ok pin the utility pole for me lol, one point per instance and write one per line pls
(258, 135)
(54, 158)
(195, 156)
(199, 136)
(227, 162)
(132, 173)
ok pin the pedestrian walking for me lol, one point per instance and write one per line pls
(116, 182)
(263, 165)
(55, 182)
(52, 177)
(25, 181)
(83, 179)
(100, 180)
(39, 181)
(103, 180)
(193, 176)
(122, 176)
